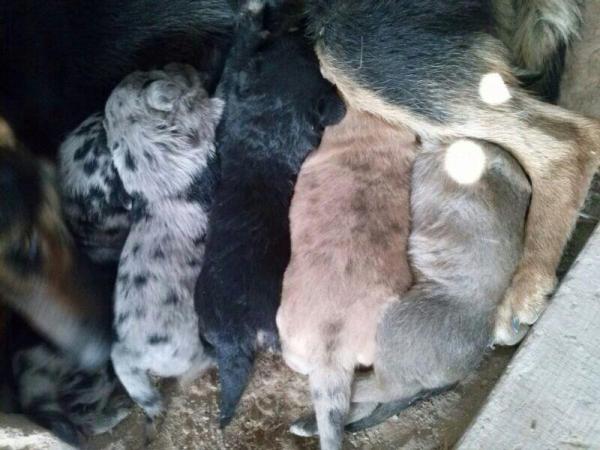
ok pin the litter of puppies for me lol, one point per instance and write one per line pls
(370, 200)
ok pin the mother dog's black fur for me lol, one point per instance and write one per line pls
(277, 105)
(413, 52)
(60, 59)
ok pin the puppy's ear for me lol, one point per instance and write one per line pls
(162, 95)
(331, 108)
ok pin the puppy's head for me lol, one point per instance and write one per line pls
(160, 129)
(39, 277)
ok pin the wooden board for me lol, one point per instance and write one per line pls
(549, 396)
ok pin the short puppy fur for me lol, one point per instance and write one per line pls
(277, 104)
(160, 130)
(350, 222)
(53, 390)
(344, 303)
(96, 206)
(409, 63)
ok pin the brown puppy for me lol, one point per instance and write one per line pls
(409, 63)
(349, 228)
(39, 276)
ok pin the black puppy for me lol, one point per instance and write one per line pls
(277, 105)
(60, 60)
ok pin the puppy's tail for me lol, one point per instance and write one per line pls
(235, 363)
(538, 32)
(384, 411)
(331, 390)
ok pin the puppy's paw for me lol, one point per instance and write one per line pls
(522, 306)
(305, 426)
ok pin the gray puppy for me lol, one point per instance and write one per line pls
(466, 240)
(160, 130)
(96, 206)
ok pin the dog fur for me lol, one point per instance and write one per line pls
(432, 81)
(538, 33)
(160, 130)
(350, 222)
(53, 390)
(343, 305)
(71, 402)
(277, 105)
(95, 204)
(42, 277)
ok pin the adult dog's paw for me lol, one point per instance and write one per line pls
(522, 306)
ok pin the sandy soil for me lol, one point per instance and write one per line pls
(277, 396)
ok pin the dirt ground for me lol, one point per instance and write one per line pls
(277, 396)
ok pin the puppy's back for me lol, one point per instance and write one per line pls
(349, 227)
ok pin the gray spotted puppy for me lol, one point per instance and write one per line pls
(96, 206)
(160, 128)
(60, 396)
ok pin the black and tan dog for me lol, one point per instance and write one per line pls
(41, 276)
(59, 376)
(434, 67)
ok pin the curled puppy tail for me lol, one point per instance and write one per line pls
(331, 391)
(235, 366)
(538, 32)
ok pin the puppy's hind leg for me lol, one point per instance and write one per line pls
(139, 386)
(330, 391)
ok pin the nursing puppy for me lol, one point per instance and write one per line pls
(277, 105)
(446, 81)
(350, 220)
(54, 391)
(42, 277)
(95, 204)
(343, 303)
(160, 129)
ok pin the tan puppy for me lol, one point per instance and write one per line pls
(349, 228)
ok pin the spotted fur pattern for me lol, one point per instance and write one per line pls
(160, 131)
(71, 402)
(95, 204)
